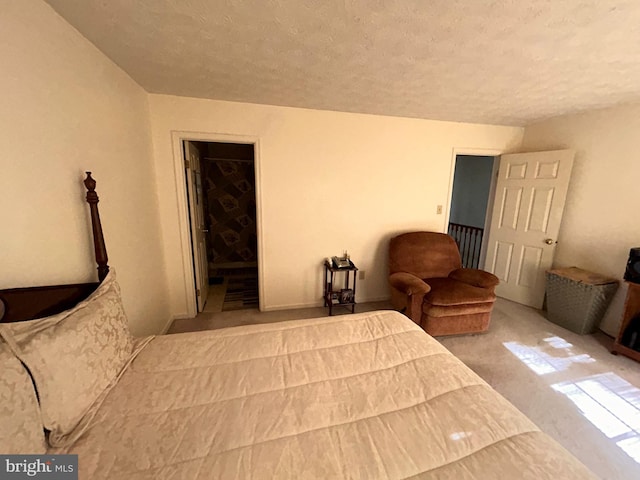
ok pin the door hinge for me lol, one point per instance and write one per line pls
(187, 163)
(198, 292)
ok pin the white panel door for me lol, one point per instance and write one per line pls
(530, 196)
(196, 216)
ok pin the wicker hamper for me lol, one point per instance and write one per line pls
(577, 299)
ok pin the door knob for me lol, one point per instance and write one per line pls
(548, 241)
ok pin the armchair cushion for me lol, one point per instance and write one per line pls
(408, 283)
(449, 292)
(475, 277)
(425, 254)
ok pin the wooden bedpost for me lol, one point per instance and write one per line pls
(98, 237)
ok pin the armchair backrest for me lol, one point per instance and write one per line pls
(424, 254)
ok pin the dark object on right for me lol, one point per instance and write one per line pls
(632, 273)
(631, 335)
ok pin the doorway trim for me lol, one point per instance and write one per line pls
(478, 152)
(186, 253)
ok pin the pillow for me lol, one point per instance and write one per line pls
(74, 356)
(21, 429)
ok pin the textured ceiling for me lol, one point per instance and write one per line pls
(507, 62)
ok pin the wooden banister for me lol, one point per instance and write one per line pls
(469, 240)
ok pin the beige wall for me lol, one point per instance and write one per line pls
(329, 181)
(65, 109)
(600, 222)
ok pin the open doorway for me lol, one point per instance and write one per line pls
(471, 204)
(224, 229)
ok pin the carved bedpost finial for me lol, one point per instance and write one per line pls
(98, 237)
(90, 183)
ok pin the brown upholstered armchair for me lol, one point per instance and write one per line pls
(430, 286)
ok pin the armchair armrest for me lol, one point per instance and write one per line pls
(475, 277)
(415, 289)
(408, 283)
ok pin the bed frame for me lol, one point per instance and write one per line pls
(19, 304)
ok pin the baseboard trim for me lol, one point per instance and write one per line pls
(319, 303)
(167, 326)
(291, 306)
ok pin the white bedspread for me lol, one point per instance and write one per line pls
(357, 396)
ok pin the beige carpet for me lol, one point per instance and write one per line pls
(569, 385)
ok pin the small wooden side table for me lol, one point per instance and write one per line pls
(339, 295)
(631, 309)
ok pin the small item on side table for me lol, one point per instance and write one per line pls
(341, 262)
(346, 295)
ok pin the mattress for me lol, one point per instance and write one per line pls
(357, 396)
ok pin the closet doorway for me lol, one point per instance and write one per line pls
(221, 182)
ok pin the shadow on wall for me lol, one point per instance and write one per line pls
(381, 258)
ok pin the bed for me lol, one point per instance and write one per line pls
(355, 396)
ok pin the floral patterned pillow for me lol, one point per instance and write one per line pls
(74, 356)
(21, 429)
